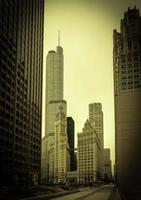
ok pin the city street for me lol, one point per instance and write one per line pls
(108, 192)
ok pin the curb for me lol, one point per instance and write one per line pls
(120, 195)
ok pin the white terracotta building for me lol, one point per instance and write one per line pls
(61, 148)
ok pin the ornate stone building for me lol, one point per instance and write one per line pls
(88, 147)
(96, 120)
(61, 148)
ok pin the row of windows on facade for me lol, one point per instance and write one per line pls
(131, 45)
(86, 136)
(9, 82)
(59, 161)
(23, 138)
(18, 134)
(129, 60)
(130, 77)
(83, 154)
(7, 45)
(86, 162)
(8, 60)
(130, 88)
(7, 89)
(134, 55)
(60, 154)
(82, 173)
(130, 72)
(86, 151)
(20, 144)
(7, 104)
(86, 140)
(133, 72)
(26, 42)
(130, 55)
(25, 154)
(11, 35)
(130, 66)
(133, 83)
(6, 71)
(86, 169)
(89, 146)
(6, 127)
(87, 175)
(86, 145)
(6, 123)
(21, 165)
(84, 180)
(23, 147)
(22, 130)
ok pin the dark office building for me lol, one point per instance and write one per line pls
(70, 132)
(127, 90)
(75, 159)
(21, 65)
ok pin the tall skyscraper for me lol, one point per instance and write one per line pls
(70, 132)
(96, 120)
(127, 93)
(21, 65)
(54, 100)
(54, 89)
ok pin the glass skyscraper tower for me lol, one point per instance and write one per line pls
(21, 66)
(54, 100)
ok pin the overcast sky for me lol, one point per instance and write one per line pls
(86, 29)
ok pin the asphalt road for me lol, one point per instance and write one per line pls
(108, 192)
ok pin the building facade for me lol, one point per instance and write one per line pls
(70, 132)
(44, 161)
(61, 148)
(88, 147)
(75, 159)
(127, 93)
(21, 65)
(107, 166)
(72, 178)
(96, 120)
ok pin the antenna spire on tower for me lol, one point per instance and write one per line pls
(58, 37)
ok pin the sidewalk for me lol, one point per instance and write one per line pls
(51, 196)
(115, 195)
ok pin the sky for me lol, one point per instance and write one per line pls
(86, 35)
